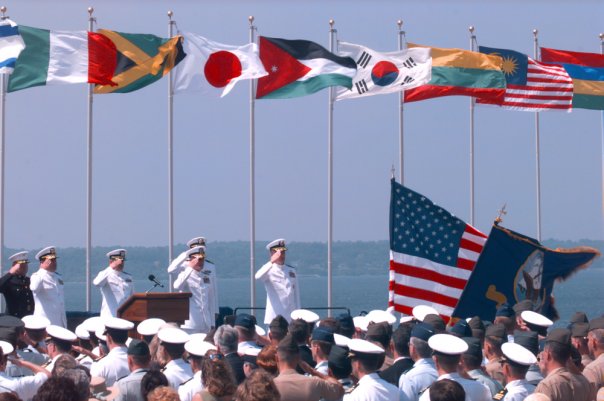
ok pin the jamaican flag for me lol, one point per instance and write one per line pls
(141, 60)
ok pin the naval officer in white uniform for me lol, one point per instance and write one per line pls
(281, 283)
(47, 287)
(114, 365)
(516, 362)
(180, 262)
(115, 284)
(199, 280)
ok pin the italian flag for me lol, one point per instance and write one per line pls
(299, 68)
(63, 57)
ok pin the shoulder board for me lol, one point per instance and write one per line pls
(423, 390)
(99, 358)
(499, 396)
(185, 382)
(293, 267)
(46, 363)
(120, 378)
(351, 389)
(163, 369)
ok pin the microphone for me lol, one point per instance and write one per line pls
(157, 283)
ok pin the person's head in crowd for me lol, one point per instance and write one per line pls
(277, 329)
(365, 357)
(515, 361)
(579, 337)
(506, 316)
(267, 360)
(575, 364)
(379, 333)
(63, 363)
(250, 362)
(138, 355)
(59, 340)
(447, 352)
(259, 386)
(477, 327)
(346, 325)
(435, 321)
(57, 389)
(226, 339)
(460, 329)
(321, 342)
(556, 351)
(472, 358)
(246, 327)
(172, 343)
(399, 342)
(522, 306)
(495, 336)
(288, 353)
(163, 393)
(9, 396)
(116, 331)
(447, 390)
(339, 363)
(299, 331)
(81, 381)
(217, 376)
(151, 380)
(418, 344)
(595, 337)
(330, 323)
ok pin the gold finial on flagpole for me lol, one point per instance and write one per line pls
(502, 212)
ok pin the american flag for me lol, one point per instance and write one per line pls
(532, 85)
(432, 253)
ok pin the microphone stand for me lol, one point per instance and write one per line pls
(154, 285)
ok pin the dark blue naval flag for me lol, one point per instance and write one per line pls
(513, 267)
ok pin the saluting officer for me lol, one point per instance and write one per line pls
(281, 283)
(47, 287)
(200, 280)
(180, 262)
(14, 285)
(115, 284)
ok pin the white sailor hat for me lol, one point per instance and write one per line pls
(100, 333)
(19, 257)
(81, 332)
(116, 323)
(50, 252)
(117, 254)
(518, 354)
(307, 315)
(199, 348)
(197, 337)
(380, 316)
(360, 322)
(251, 351)
(260, 331)
(172, 335)
(7, 348)
(32, 322)
(421, 311)
(405, 319)
(277, 245)
(358, 346)
(61, 333)
(93, 323)
(198, 250)
(197, 241)
(340, 340)
(150, 327)
(535, 318)
(447, 344)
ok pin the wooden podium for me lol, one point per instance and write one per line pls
(172, 307)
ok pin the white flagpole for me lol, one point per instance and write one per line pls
(91, 21)
(252, 177)
(602, 140)
(401, 104)
(332, 38)
(2, 135)
(537, 145)
(472, 102)
(170, 156)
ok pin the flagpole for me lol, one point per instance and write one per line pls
(2, 135)
(252, 177)
(332, 34)
(537, 144)
(170, 157)
(401, 104)
(602, 139)
(472, 42)
(91, 21)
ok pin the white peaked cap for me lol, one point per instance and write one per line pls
(364, 347)
(18, 257)
(32, 322)
(380, 316)
(260, 331)
(421, 311)
(173, 335)
(118, 324)
(517, 353)
(276, 243)
(360, 322)
(535, 318)
(199, 348)
(340, 340)
(93, 323)
(7, 347)
(82, 333)
(61, 333)
(150, 327)
(307, 315)
(447, 344)
(196, 241)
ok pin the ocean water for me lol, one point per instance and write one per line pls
(582, 292)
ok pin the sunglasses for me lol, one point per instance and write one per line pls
(215, 357)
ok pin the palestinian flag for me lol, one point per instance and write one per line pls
(62, 57)
(299, 68)
(141, 60)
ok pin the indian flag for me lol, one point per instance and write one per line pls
(299, 68)
(62, 57)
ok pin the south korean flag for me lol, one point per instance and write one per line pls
(381, 73)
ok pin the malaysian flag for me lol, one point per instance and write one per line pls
(531, 85)
(432, 253)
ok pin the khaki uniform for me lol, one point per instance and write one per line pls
(495, 370)
(594, 372)
(562, 385)
(295, 387)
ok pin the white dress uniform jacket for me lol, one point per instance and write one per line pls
(177, 371)
(419, 377)
(188, 389)
(25, 387)
(282, 291)
(203, 287)
(518, 390)
(113, 366)
(475, 391)
(115, 288)
(372, 388)
(48, 296)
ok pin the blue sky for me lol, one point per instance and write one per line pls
(46, 133)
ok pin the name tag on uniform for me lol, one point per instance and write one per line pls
(292, 274)
(206, 280)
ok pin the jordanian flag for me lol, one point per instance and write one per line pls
(299, 68)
